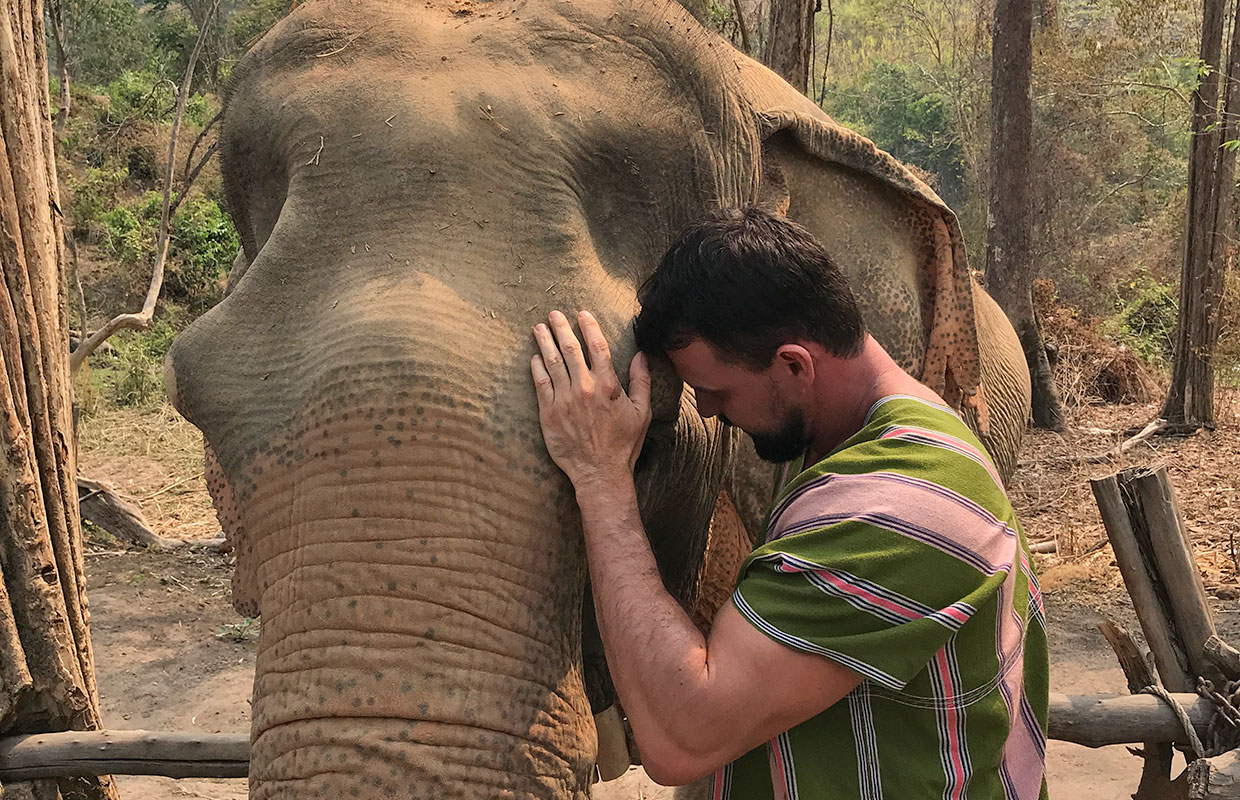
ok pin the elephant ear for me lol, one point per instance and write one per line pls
(897, 241)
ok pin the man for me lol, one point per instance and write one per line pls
(886, 639)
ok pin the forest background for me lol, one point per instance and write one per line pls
(1112, 95)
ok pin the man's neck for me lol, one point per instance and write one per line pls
(848, 388)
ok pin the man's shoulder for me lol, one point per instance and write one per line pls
(910, 436)
(911, 456)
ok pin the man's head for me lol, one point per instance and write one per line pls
(732, 304)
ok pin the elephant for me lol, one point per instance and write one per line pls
(415, 185)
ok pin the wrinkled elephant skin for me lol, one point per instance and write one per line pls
(415, 186)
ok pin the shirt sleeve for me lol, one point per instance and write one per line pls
(875, 601)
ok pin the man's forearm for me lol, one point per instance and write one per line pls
(656, 656)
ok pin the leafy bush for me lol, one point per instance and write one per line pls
(204, 243)
(201, 248)
(140, 95)
(126, 237)
(95, 195)
(1146, 322)
(136, 376)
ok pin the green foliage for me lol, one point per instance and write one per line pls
(95, 535)
(126, 237)
(105, 38)
(1146, 321)
(202, 244)
(896, 108)
(95, 194)
(242, 631)
(135, 376)
(173, 35)
(247, 24)
(205, 243)
(140, 95)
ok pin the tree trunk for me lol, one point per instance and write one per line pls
(47, 678)
(57, 18)
(790, 39)
(1009, 227)
(1207, 251)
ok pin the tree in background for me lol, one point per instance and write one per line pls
(1009, 226)
(790, 40)
(1208, 225)
(47, 672)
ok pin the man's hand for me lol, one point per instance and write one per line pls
(593, 430)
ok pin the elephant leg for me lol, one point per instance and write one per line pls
(1005, 383)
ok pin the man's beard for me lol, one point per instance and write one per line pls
(789, 442)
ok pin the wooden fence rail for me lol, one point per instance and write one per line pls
(1093, 721)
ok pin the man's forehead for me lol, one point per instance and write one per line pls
(699, 365)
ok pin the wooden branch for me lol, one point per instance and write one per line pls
(1177, 568)
(1156, 757)
(1138, 574)
(1153, 429)
(742, 25)
(1131, 660)
(143, 318)
(1223, 656)
(105, 507)
(1097, 721)
(75, 753)
(189, 157)
(1094, 721)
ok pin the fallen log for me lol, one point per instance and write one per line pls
(77, 753)
(102, 505)
(1093, 721)
(1100, 720)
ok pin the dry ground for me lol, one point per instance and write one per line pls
(162, 662)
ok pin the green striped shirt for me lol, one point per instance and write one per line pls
(898, 556)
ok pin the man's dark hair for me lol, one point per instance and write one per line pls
(746, 281)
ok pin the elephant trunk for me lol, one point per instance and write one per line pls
(416, 558)
(414, 633)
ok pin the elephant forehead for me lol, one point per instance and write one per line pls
(550, 61)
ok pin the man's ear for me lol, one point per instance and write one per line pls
(797, 361)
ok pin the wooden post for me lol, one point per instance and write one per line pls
(1139, 573)
(1177, 568)
(1156, 756)
(47, 677)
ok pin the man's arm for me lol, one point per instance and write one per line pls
(695, 704)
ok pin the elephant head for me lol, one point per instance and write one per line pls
(415, 185)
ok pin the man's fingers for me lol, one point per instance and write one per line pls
(574, 358)
(553, 362)
(639, 383)
(542, 382)
(596, 343)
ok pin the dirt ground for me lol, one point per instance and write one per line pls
(171, 654)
